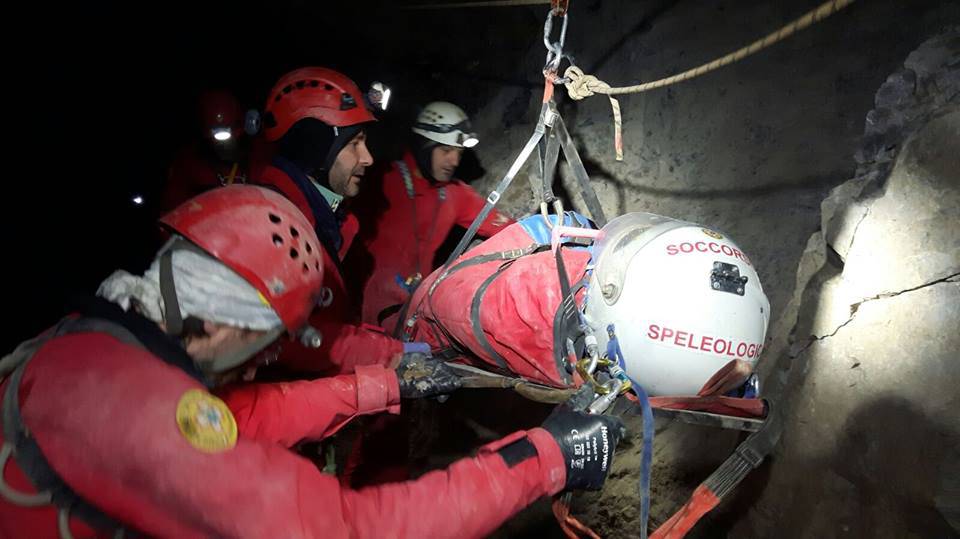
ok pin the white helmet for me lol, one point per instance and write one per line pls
(447, 124)
(684, 301)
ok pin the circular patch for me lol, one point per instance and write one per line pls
(206, 422)
(713, 234)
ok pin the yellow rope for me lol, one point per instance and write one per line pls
(582, 85)
(233, 174)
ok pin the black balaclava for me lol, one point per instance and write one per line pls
(313, 146)
(423, 155)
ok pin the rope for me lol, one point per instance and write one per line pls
(559, 7)
(582, 85)
(569, 524)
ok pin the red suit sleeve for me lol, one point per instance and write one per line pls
(471, 498)
(114, 436)
(288, 412)
(344, 348)
(265, 492)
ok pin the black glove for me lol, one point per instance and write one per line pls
(587, 442)
(421, 376)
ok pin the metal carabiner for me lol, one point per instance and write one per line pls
(554, 49)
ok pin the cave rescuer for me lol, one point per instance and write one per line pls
(218, 156)
(112, 426)
(317, 118)
(408, 212)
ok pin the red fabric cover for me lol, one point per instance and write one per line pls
(517, 310)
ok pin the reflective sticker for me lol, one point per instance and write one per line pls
(206, 422)
(712, 234)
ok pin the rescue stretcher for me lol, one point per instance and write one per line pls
(597, 380)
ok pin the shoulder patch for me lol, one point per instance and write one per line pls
(206, 422)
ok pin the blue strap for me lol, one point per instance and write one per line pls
(749, 390)
(402, 283)
(537, 229)
(646, 460)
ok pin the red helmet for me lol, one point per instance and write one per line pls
(219, 110)
(314, 92)
(264, 238)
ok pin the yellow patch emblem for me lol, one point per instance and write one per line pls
(713, 234)
(206, 422)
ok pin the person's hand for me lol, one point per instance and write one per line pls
(587, 443)
(422, 376)
(409, 348)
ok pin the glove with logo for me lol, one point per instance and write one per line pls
(587, 443)
(421, 376)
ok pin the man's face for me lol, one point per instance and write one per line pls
(348, 168)
(444, 161)
(219, 340)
